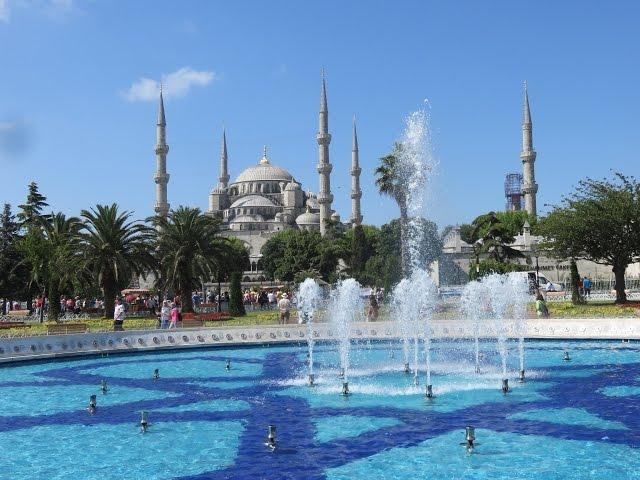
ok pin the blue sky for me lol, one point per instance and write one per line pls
(70, 119)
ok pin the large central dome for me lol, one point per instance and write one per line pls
(264, 171)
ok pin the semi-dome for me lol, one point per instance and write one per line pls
(264, 171)
(248, 219)
(312, 203)
(308, 218)
(252, 201)
(292, 186)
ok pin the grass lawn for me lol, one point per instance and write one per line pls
(595, 309)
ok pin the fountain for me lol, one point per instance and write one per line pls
(309, 295)
(476, 307)
(519, 294)
(345, 305)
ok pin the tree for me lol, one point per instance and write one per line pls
(236, 306)
(488, 234)
(31, 211)
(391, 181)
(115, 248)
(599, 221)
(52, 256)
(12, 271)
(236, 259)
(291, 251)
(358, 252)
(190, 250)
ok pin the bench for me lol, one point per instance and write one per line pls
(8, 325)
(65, 328)
(191, 322)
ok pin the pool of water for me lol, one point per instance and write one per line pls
(569, 420)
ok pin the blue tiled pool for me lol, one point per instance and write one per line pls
(569, 420)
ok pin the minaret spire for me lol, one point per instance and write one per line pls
(324, 167)
(356, 193)
(528, 156)
(161, 177)
(224, 172)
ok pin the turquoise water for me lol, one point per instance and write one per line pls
(568, 420)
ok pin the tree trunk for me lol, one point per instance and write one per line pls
(186, 301)
(54, 301)
(576, 298)
(619, 271)
(405, 254)
(109, 290)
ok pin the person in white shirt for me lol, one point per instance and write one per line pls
(272, 299)
(118, 316)
(284, 305)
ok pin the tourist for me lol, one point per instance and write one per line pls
(541, 306)
(118, 316)
(165, 314)
(174, 316)
(373, 308)
(284, 305)
(586, 286)
(272, 299)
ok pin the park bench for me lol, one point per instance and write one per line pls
(64, 328)
(8, 325)
(191, 322)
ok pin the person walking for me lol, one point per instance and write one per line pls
(174, 316)
(284, 305)
(586, 286)
(541, 306)
(118, 316)
(165, 314)
(373, 308)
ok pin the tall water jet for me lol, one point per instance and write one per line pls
(476, 307)
(499, 305)
(309, 296)
(519, 294)
(345, 307)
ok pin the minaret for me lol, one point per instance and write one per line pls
(161, 177)
(224, 172)
(356, 193)
(324, 167)
(528, 156)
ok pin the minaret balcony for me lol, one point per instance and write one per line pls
(529, 189)
(324, 197)
(161, 178)
(325, 168)
(356, 171)
(356, 195)
(323, 138)
(162, 149)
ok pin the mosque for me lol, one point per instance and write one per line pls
(265, 199)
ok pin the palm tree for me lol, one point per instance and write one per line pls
(190, 250)
(491, 236)
(115, 248)
(52, 255)
(390, 180)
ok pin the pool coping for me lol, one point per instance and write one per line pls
(18, 349)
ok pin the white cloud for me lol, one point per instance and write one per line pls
(51, 7)
(174, 85)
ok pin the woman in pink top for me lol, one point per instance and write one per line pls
(174, 316)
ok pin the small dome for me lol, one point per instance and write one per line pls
(308, 218)
(313, 204)
(248, 219)
(252, 201)
(292, 186)
(219, 190)
(335, 216)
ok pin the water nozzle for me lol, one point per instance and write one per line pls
(341, 374)
(469, 438)
(566, 357)
(144, 421)
(406, 368)
(311, 379)
(228, 365)
(92, 404)
(345, 389)
(271, 437)
(103, 386)
(521, 377)
(429, 391)
(156, 374)
(505, 385)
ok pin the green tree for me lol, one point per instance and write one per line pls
(31, 212)
(236, 306)
(115, 248)
(490, 265)
(236, 259)
(190, 250)
(391, 178)
(12, 271)
(53, 257)
(491, 236)
(291, 251)
(599, 221)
